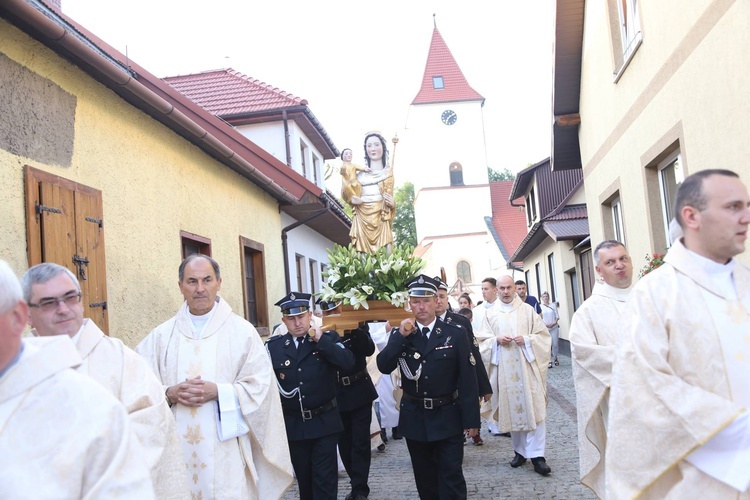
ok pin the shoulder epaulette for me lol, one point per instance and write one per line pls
(271, 339)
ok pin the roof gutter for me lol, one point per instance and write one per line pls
(63, 37)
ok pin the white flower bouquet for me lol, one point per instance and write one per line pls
(355, 278)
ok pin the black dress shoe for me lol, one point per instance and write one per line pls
(395, 434)
(517, 461)
(383, 435)
(381, 447)
(540, 466)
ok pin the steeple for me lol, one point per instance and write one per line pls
(443, 80)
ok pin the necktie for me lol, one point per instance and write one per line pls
(299, 342)
(425, 331)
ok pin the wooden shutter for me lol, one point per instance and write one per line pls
(64, 225)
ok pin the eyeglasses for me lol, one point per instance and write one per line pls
(50, 304)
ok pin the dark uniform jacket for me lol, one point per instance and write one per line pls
(483, 380)
(314, 371)
(447, 367)
(355, 394)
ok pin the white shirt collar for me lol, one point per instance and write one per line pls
(720, 274)
(430, 326)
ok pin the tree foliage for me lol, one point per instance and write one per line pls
(505, 175)
(404, 225)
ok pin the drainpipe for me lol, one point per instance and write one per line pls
(284, 247)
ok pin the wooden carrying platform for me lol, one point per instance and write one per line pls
(379, 310)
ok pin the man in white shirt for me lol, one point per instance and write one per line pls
(489, 294)
(678, 422)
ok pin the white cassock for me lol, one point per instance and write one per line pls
(242, 453)
(678, 423)
(62, 435)
(478, 314)
(129, 379)
(385, 387)
(482, 333)
(518, 375)
(593, 335)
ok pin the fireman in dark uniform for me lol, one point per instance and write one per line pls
(444, 313)
(355, 396)
(306, 361)
(440, 396)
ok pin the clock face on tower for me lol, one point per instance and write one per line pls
(449, 117)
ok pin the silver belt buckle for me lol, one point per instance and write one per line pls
(346, 381)
(428, 404)
(306, 415)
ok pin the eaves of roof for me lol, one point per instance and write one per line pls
(498, 241)
(523, 179)
(570, 223)
(151, 95)
(566, 84)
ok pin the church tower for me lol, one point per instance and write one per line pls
(443, 154)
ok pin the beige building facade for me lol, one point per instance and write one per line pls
(646, 93)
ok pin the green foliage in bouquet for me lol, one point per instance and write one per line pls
(355, 278)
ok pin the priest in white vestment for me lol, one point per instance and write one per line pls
(678, 416)
(61, 434)
(54, 297)
(220, 383)
(593, 335)
(516, 360)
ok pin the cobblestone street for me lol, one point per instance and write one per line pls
(487, 470)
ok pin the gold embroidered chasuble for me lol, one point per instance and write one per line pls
(62, 435)
(518, 378)
(672, 388)
(227, 351)
(129, 379)
(593, 335)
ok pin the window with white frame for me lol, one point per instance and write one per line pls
(671, 175)
(463, 271)
(617, 226)
(627, 37)
(531, 207)
(303, 158)
(552, 282)
(315, 166)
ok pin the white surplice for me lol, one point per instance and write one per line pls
(593, 336)
(518, 374)
(62, 435)
(129, 379)
(229, 352)
(680, 384)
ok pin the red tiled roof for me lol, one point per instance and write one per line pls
(226, 92)
(509, 221)
(440, 62)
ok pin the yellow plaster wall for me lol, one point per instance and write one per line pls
(154, 184)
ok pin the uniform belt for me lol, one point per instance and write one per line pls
(308, 414)
(350, 379)
(431, 403)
